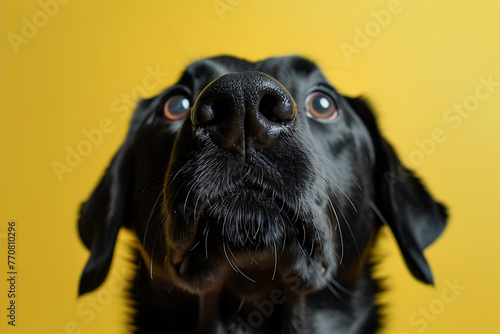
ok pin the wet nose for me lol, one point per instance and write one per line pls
(244, 111)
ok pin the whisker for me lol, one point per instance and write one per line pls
(152, 251)
(340, 232)
(345, 219)
(320, 240)
(156, 188)
(240, 307)
(336, 285)
(304, 235)
(153, 209)
(154, 178)
(186, 165)
(284, 244)
(342, 169)
(340, 287)
(249, 254)
(275, 261)
(196, 205)
(352, 204)
(227, 257)
(302, 249)
(195, 245)
(352, 234)
(333, 291)
(232, 255)
(207, 229)
(187, 196)
(284, 235)
(312, 249)
(282, 198)
(234, 266)
(257, 231)
(378, 213)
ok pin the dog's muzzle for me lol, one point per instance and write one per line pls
(241, 187)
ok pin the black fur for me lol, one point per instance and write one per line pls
(253, 213)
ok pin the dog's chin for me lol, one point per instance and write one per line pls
(249, 241)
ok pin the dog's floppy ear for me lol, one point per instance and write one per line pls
(101, 218)
(402, 202)
(412, 214)
(106, 210)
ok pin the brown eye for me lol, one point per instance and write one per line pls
(176, 107)
(320, 105)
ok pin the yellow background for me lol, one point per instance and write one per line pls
(66, 76)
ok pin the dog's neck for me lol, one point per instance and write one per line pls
(163, 307)
(269, 311)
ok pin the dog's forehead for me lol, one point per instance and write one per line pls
(289, 70)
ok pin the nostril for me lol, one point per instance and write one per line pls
(215, 111)
(221, 108)
(267, 105)
(276, 108)
(203, 114)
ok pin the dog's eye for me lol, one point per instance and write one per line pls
(176, 107)
(320, 105)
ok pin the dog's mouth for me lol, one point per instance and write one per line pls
(251, 232)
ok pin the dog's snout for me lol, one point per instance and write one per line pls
(244, 111)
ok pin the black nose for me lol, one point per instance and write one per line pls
(244, 111)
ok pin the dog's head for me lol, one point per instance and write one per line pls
(241, 172)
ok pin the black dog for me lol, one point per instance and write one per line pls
(256, 192)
